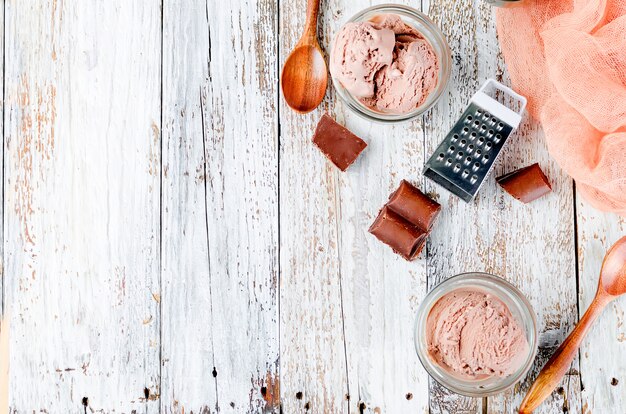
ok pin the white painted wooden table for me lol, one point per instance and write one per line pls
(173, 243)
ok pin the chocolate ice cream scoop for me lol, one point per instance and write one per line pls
(360, 50)
(474, 335)
(385, 63)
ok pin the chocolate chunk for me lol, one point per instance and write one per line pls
(403, 237)
(410, 203)
(339, 145)
(405, 221)
(526, 184)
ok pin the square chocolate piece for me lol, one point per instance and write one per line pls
(526, 184)
(338, 144)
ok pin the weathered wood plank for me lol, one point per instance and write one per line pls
(313, 359)
(603, 373)
(4, 318)
(187, 355)
(220, 207)
(534, 249)
(453, 235)
(526, 244)
(380, 290)
(82, 162)
(2, 101)
(4, 364)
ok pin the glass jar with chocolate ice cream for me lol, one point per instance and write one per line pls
(390, 63)
(476, 334)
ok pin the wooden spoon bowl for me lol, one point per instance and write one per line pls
(305, 76)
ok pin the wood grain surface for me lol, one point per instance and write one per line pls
(312, 343)
(173, 242)
(81, 229)
(603, 373)
(525, 244)
(5, 318)
(2, 106)
(188, 348)
(220, 208)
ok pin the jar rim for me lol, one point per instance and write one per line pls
(519, 306)
(432, 33)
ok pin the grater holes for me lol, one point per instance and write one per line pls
(468, 119)
(457, 167)
(470, 148)
(476, 166)
(465, 131)
(463, 142)
(474, 179)
(485, 158)
(481, 141)
(488, 145)
(483, 127)
(476, 123)
(479, 112)
(451, 149)
(465, 173)
(473, 135)
(459, 155)
(490, 133)
(478, 152)
(500, 126)
(497, 138)
(440, 156)
(455, 137)
(493, 120)
(449, 161)
(468, 160)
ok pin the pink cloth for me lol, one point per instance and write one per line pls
(568, 57)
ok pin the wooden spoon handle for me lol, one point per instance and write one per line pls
(310, 27)
(558, 364)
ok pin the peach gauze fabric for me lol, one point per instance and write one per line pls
(568, 57)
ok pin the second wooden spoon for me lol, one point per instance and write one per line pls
(612, 284)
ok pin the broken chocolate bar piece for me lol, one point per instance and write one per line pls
(409, 202)
(338, 144)
(403, 237)
(405, 221)
(526, 184)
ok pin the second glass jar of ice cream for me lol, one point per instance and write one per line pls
(476, 334)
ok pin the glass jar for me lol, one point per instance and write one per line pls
(520, 309)
(431, 33)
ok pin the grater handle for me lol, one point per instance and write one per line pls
(508, 91)
(510, 116)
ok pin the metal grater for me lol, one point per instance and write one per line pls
(467, 154)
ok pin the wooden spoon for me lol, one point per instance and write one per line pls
(305, 76)
(611, 285)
